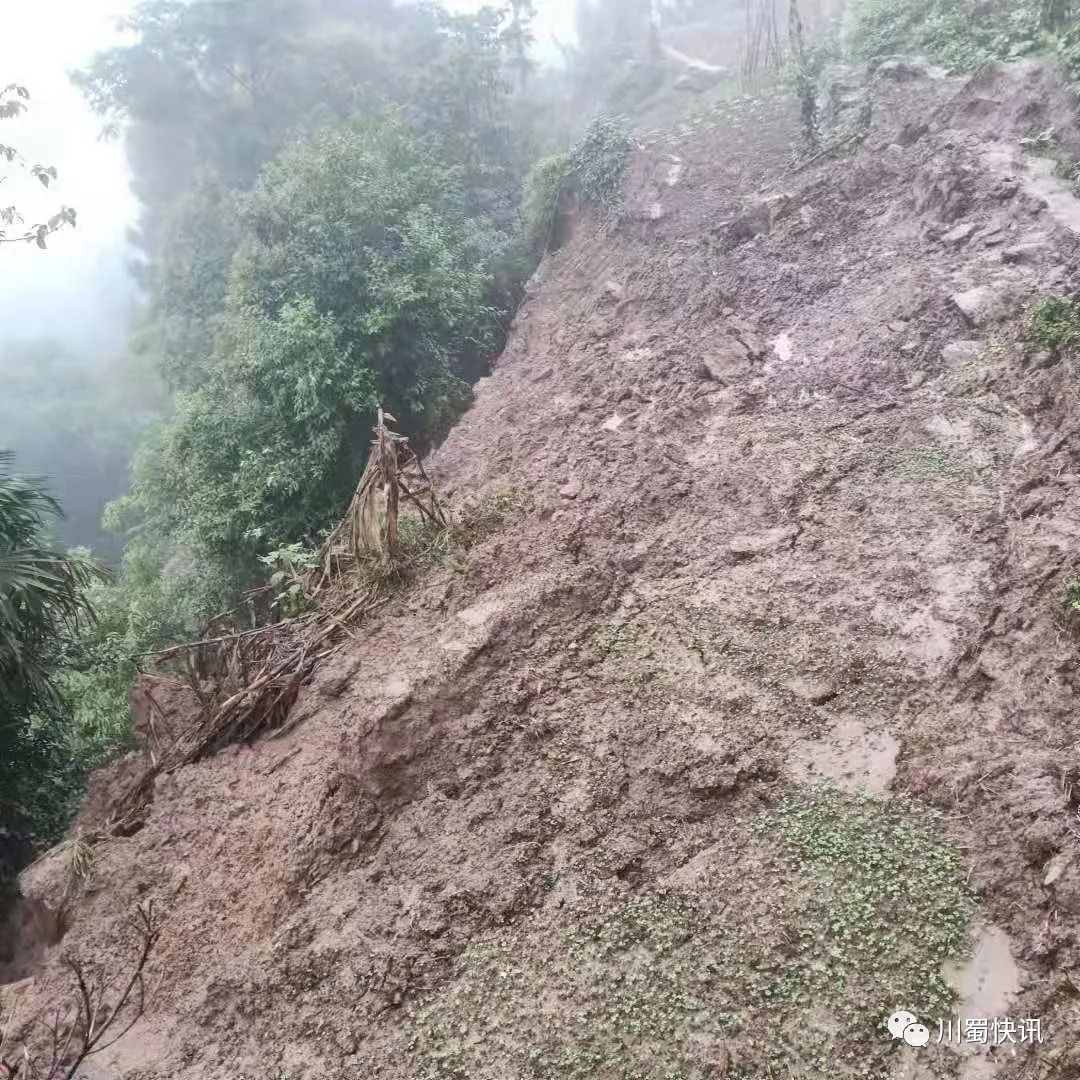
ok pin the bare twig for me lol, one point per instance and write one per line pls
(94, 1019)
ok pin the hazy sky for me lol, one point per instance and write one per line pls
(78, 289)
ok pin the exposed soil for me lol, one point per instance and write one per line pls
(802, 505)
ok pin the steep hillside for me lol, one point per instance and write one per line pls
(789, 496)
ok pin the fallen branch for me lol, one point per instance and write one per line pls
(246, 681)
(95, 1018)
(826, 151)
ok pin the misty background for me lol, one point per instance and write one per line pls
(73, 407)
(80, 292)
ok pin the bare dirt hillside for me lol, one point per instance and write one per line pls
(756, 718)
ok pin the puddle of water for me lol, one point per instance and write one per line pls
(850, 757)
(986, 986)
(987, 983)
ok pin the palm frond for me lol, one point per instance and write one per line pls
(42, 592)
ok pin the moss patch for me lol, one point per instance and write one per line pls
(930, 463)
(781, 954)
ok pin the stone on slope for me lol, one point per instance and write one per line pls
(982, 305)
(752, 544)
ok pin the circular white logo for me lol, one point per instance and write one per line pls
(906, 1026)
(916, 1034)
(899, 1021)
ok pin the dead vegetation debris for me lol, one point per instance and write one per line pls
(246, 681)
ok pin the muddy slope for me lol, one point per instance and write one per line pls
(800, 505)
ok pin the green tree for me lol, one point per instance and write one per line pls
(263, 450)
(42, 594)
(518, 38)
(358, 278)
(210, 88)
(365, 222)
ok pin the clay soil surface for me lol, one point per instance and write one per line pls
(751, 719)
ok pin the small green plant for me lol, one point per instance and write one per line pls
(1054, 324)
(287, 563)
(1071, 596)
(887, 905)
(928, 463)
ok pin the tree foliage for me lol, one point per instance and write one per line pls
(13, 227)
(208, 90)
(41, 593)
(959, 34)
(259, 451)
(331, 221)
(357, 278)
(43, 602)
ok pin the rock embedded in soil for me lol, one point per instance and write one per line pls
(747, 338)
(960, 353)
(751, 545)
(982, 305)
(1031, 253)
(727, 362)
(901, 69)
(815, 691)
(699, 80)
(961, 234)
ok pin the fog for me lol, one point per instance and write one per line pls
(66, 311)
(78, 290)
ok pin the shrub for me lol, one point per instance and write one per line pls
(594, 169)
(1067, 49)
(540, 204)
(598, 163)
(959, 34)
(1054, 324)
